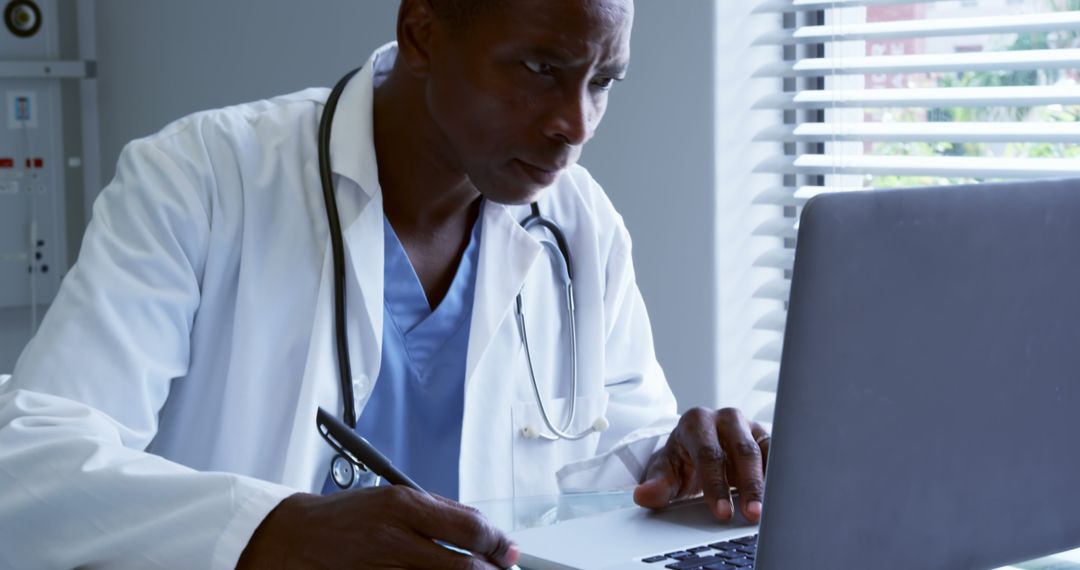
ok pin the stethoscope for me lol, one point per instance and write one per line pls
(343, 469)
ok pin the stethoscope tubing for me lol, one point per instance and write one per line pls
(341, 333)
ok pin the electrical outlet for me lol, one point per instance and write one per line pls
(22, 110)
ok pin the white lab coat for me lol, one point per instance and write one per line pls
(168, 401)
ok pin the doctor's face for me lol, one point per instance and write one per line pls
(521, 87)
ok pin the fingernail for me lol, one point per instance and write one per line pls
(512, 554)
(753, 508)
(723, 509)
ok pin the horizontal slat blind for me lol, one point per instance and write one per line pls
(807, 5)
(921, 97)
(895, 93)
(916, 132)
(1027, 23)
(1009, 61)
(940, 166)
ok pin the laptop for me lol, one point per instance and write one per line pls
(928, 408)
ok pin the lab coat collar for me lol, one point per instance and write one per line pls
(352, 152)
(352, 136)
(359, 201)
(353, 159)
(507, 254)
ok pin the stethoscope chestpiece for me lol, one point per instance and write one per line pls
(342, 471)
(348, 474)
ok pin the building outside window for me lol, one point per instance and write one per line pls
(881, 94)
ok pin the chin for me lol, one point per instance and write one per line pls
(513, 195)
(514, 198)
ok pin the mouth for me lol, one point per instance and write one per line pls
(542, 175)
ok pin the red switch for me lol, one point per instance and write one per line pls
(29, 163)
(7, 163)
(39, 163)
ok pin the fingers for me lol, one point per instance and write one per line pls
(661, 484)
(438, 518)
(745, 457)
(698, 434)
(379, 527)
(764, 440)
(707, 450)
(454, 504)
(428, 554)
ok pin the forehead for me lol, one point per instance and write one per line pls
(576, 31)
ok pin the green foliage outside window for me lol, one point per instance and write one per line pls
(1018, 114)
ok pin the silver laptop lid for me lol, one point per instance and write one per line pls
(929, 397)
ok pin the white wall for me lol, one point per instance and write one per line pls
(158, 61)
(654, 153)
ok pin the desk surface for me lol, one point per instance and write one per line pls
(529, 512)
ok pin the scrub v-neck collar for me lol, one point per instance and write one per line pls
(426, 330)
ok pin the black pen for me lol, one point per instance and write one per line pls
(357, 449)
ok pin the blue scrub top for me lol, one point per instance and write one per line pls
(414, 414)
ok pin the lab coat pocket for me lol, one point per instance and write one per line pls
(537, 459)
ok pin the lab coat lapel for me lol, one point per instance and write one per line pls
(507, 253)
(352, 152)
(308, 457)
(359, 204)
(364, 250)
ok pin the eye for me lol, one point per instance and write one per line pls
(604, 83)
(538, 68)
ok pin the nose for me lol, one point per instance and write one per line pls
(572, 119)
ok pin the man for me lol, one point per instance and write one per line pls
(163, 416)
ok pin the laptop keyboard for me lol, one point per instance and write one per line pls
(727, 555)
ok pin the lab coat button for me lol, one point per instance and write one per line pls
(360, 385)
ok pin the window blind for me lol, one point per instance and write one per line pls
(899, 93)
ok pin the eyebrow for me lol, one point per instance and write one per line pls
(615, 69)
(562, 56)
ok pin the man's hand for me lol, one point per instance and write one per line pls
(708, 452)
(382, 527)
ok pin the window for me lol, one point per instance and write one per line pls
(901, 93)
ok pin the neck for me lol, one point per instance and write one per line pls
(423, 188)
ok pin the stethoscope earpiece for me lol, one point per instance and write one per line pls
(530, 432)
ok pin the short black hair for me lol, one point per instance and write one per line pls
(460, 13)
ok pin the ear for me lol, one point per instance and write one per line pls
(415, 34)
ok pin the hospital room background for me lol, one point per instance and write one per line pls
(696, 150)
